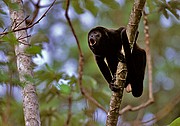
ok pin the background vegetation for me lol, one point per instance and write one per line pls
(55, 57)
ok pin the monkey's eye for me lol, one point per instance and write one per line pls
(97, 34)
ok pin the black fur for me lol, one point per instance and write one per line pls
(106, 43)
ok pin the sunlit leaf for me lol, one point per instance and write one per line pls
(10, 37)
(34, 49)
(176, 122)
(65, 88)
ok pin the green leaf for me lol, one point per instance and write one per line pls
(39, 38)
(12, 6)
(89, 5)
(4, 77)
(164, 11)
(176, 122)
(111, 3)
(10, 37)
(150, 5)
(2, 12)
(34, 49)
(1, 23)
(65, 88)
(77, 7)
(174, 4)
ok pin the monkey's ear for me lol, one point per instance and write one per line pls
(106, 33)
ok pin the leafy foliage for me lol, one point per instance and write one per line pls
(13, 6)
(171, 6)
(56, 77)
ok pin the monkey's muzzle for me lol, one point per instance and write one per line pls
(92, 42)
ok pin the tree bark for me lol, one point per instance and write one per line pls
(121, 73)
(24, 62)
(116, 97)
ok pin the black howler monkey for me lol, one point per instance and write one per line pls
(106, 43)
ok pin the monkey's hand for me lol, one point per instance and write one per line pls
(121, 57)
(113, 86)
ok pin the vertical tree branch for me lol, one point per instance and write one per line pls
(24, 62)
(116, 97)
(149, 65)
(81, 62)
(149, 62)
(81, 58)
(134, 19)
(121, 73)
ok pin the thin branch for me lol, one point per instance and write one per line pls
(72, 29)
(17, 25)
(91, 99)
(151, 98)
(35, 12)
(149, 60)
(31, 25)
(81, 62)
(24, 38)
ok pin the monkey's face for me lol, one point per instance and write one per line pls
(94, 38)
(98, 41)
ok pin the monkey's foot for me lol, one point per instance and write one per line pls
(128, 88)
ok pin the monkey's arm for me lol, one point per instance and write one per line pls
(106, 73)
(103, 68)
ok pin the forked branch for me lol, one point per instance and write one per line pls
(149, 64)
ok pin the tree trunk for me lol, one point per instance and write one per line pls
(24, 62)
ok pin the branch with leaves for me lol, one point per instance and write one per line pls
(16, 28)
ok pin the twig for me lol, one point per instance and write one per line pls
(35, 12)
(90, 98)
(151, 98)
(31, 25)
(17, 25)
(81, 62)
(23, 38)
